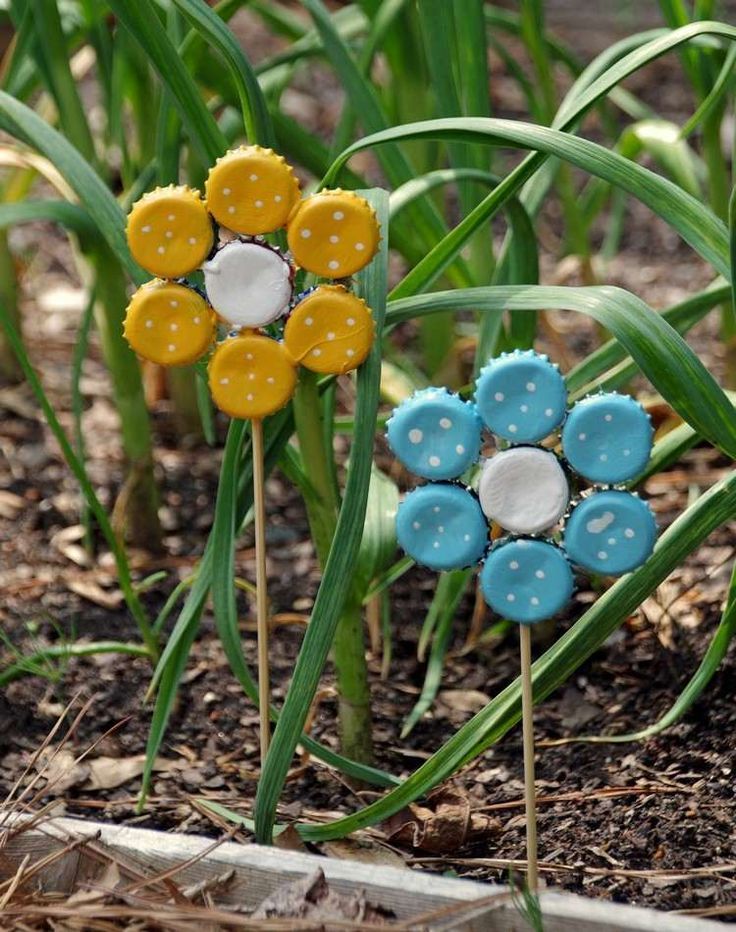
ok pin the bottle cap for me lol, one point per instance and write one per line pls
(333, 233)
(330, 331)
(251, 190)
(169, 231)
(251, 376)
(526, 580)
(521, 396)
(441, 526)
(610, 532)
(169, 324)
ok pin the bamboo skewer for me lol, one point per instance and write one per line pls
(259, 506)
(527, 712)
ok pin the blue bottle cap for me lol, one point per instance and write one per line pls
(610, 532)
(607, 438)
(526, 580)
(521, 396)
(441, 526)
(435, 434)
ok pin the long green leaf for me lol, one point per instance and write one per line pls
(335, 586)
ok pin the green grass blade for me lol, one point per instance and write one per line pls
(714, 98)
(335, 586)
(696, 224)
(555, 666)
(659, 351)
(70, 216)
(141, 20)
(26, 663)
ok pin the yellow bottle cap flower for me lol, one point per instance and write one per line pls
(169, 231)
(251, 376)
(251, 190)
(169, 324)
(330, 331)
(333, 233)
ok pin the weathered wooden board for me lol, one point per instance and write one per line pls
(259, 871)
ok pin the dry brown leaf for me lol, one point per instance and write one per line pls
(464, 700)
(444, 825)
(11, 504)
(90, 590)
(106, 773)
(364, 850)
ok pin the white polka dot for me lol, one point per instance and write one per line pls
(350, 321)
(436, 509)
(251, 376)
(171, 217)
(278, 198)
(582, 436)
(316, 352)
(231, 210)
(608, 417)
(627, 452)
(360, 247)
(259, 204)
(305, 233)
(350, 353)
(169, 234)
(466, 537)
(436, 545)
(249, 397)
(602, 555)
(603, 457)
(534, 600)
(514, 565)
(224, 381)
(499, 396)
(270, 380)
(146, 228)
(415, 435)
(334, 239)
(160, 250)
(524, 409)
(434, 461)
(249, 355)
(612, 541)
(548, 412)
(308, 321)
(416, 525)
(172, 347)
(539, 574)
(511, 597)
(196, 320)
(460, 449)
(333, 264)
(531, 387)
(254, 177)
(192, 240)
(338, 215)
(445, 423)
(629, 532)
(174, 327)
(513, 428)
(330, 335)
(226, 192)
(173, 303)
(149, 324)
(440, 529)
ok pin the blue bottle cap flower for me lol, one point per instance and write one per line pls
(441, 526)
(435, 434)
(526, 580)
(607, 438)
(521, 396)
(610, 532)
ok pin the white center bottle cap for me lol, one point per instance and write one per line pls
(249, 285)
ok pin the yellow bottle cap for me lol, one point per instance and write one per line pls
(330, 331)
(251, 190)
(333, 233)
(169, 231)
(169, 324)
(251, 376)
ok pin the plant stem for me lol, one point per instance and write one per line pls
(354, 697)
(10, 370)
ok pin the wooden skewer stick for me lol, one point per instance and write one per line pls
(259, 505)
(527, 710)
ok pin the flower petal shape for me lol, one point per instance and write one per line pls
(251, 376)
(441, 526)
(610, 532)
(169, 324)
(526, 580)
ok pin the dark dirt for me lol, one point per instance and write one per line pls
(649, 823)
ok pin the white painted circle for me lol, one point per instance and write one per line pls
(247, 284)
(524, 490)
